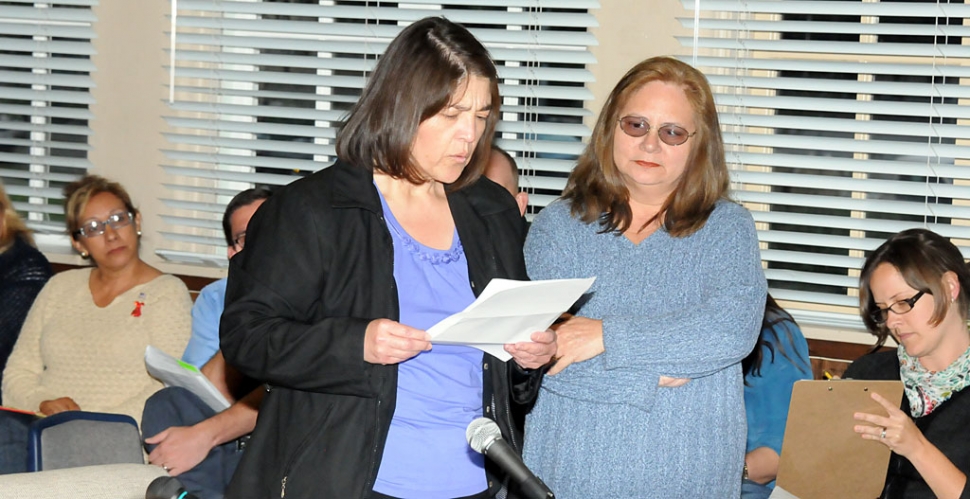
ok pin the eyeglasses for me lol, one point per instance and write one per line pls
(240, 240)
(672, 135)
(881, 315)
(94, 228)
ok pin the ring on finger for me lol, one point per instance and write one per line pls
(883, 434)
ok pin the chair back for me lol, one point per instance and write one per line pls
(78, 438)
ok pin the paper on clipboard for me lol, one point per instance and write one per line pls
(509, 311)
(174, 372)
(821, 455)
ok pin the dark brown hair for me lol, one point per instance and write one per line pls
(418, 75)
(595, 188)
(922, 257)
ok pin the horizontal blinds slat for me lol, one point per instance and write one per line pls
(226, 175)
(751, 25)
(33, 175)
(47, 128)
(816, 46)
(47, 79)
(26, 159)
(66, 48)
(922, 148)
(919, 209)
(831, 66)
(811, 278)
(359, 45)
(856, 185)
(897, 167)
(70, 146)
(59, 96)
(37, 29)
(924, 90)
(860, 224)
(47, 111)
(254, 128)
(384, 31)
(251, 161)
(347, 64)
(907, 9)
(47, 14)
(931, 130)
(896, 108)
(399, 14)
(79, 3)
(51, 63)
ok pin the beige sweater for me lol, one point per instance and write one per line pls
(70, 347)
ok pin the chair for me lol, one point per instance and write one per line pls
(78, 438)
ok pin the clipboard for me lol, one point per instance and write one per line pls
(821, 456)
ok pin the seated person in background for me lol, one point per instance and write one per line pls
(502, 170)
(82, 346)
(188, 439)
(916, 287)
(779, 359)
(23, 272)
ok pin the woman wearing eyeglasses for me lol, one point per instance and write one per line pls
(646, 399)
(82, 346)
(916, 287)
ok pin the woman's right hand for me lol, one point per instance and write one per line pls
(63, 404)
(390, 342)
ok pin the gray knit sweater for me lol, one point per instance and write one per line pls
(684, 307)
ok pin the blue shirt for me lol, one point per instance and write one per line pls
(438, 392)
(766, 397)
(206, 313)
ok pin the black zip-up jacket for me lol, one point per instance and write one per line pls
(317, 268)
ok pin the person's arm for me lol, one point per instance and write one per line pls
(270, 330)
(898, 432)
(768, 395)
(206, 313)
(21, 377)
(762, 464)
(181, 448)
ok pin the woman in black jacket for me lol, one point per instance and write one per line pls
(916, 287)
(345, 269)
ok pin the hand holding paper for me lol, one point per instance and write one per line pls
(509, 312)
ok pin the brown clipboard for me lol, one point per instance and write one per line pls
(821, 456)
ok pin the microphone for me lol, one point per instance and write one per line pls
(166, 487)
(485, 437)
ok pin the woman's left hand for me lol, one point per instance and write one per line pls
(897, 431)
(580, 339)
(536, 353)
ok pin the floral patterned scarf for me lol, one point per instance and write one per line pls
(925, 389)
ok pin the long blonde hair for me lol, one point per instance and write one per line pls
(13, 226)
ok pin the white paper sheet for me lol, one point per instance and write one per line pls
(174, 372)
(509, 311)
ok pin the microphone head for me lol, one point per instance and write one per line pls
(163, 487)
(481, 433)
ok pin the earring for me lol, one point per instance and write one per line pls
(84, 254)
(138, 232)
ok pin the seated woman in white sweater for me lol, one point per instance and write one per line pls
(83, 343)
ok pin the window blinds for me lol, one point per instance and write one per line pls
(844, 123)
(260, 86)
(45, 82)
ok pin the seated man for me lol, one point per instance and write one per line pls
(187, 438)
(503, 171)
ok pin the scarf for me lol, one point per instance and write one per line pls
(926, 389)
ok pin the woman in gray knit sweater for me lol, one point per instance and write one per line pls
(646, 398)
